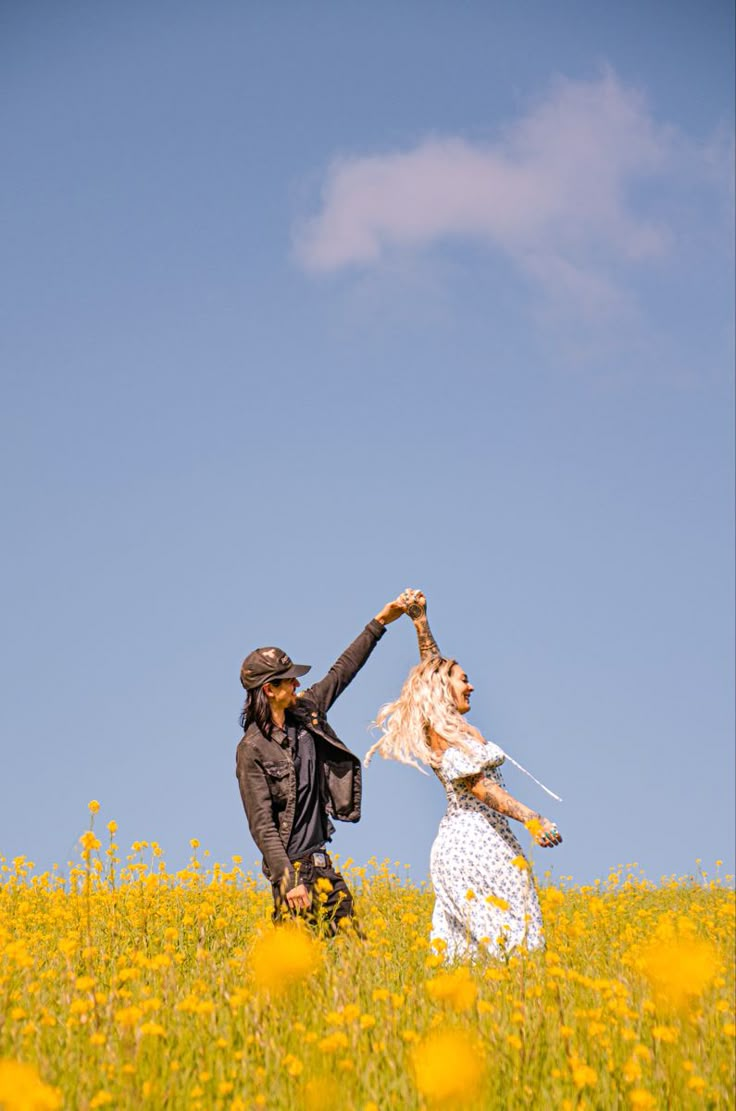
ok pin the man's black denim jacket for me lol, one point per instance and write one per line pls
(266, 774)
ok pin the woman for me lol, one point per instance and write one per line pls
(484, 894)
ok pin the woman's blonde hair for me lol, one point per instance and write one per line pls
(426, 702)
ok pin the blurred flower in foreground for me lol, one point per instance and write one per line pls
(319, 1092)
(454, 988)
(448, 1068)
(680, 972)
(93, 806)
(678, 965)
(21, 1089)
(283, 957)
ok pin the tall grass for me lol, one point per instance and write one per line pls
(127, 986)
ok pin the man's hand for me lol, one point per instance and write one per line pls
(299, 898)
(393, 610)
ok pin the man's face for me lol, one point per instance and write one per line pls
(281, 693)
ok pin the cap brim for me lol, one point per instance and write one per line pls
(295, 671)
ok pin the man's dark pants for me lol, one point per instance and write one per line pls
(332, 903)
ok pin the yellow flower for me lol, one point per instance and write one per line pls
(664, 1034)
(496, 901)
(583, 1076)
(112, 827)
(93, 806)
(454, 988)
(194, 843)
(521, 863)
(448, 1068)
(100, 1100)
(337, 1040)
(283, 957)
(128, 1016)
(154, 1029)
(21, 1089)
(640, 1097)
(534, 826)
(632, 1070)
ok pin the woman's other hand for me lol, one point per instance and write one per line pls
(547, 835)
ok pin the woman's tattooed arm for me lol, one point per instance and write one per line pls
(544, 832)
(427, 643)
(500, 800)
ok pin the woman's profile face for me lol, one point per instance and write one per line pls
(461, 688)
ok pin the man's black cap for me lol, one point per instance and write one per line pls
(266, 664)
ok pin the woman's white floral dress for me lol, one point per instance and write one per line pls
(482, 899)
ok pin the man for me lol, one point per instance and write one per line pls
(295, 774)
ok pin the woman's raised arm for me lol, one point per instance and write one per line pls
(417, 610)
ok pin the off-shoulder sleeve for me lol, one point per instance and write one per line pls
(458, 763)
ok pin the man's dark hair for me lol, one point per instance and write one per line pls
(257, 708)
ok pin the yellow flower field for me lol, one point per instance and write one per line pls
(123, 985)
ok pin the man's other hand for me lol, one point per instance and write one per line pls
(299, 898)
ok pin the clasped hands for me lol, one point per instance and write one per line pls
(410, 601)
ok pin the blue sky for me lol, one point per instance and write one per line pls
(303, 304)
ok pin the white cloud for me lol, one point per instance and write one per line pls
(554, 193)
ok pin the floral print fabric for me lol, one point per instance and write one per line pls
(482, 899)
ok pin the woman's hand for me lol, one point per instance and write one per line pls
(547, 835)
(393, 610)
(416, 604)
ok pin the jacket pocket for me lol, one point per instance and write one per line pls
(277, 776)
